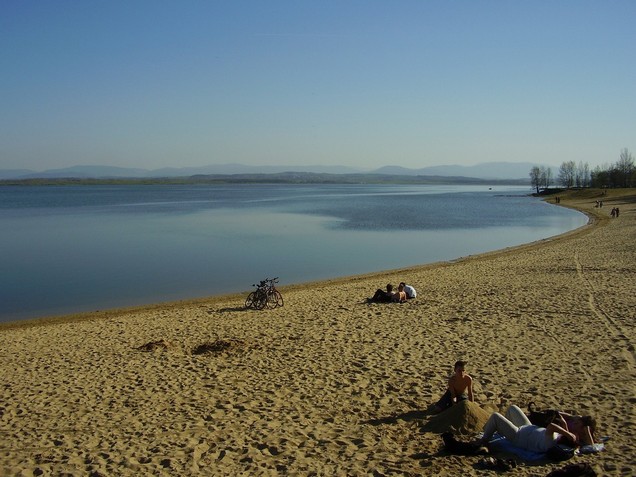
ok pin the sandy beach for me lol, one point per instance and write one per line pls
(330, 384)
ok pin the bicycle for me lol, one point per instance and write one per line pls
(265, 295)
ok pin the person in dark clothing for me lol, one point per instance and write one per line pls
(384, 296)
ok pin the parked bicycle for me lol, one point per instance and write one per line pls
(265, 295)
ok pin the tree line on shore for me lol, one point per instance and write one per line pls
(622, 173)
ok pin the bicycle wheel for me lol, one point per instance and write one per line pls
(260, 301)
(250, 300)
(274, 299)
(279, 299)
(271, 300)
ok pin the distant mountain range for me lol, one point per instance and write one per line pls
(489, 170)
(486, 170)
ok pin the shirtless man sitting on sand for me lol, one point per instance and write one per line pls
(460, 388)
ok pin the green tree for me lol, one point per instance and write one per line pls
(600, 177)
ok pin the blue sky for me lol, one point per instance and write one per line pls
(157, 83)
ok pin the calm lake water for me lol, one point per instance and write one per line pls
(84, 248)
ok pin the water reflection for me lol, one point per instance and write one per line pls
(117, 250)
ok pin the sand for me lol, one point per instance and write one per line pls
(328, 384)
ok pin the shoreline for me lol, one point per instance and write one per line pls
(329, 384)
(116, 311)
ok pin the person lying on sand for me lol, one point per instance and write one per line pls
(517, 428)
(460, 388)
(382, 296)
(400, 295)
(409, 290)
(581, 426)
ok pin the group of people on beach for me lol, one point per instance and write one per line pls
(613, 213)
(403, 293)
(566, 429)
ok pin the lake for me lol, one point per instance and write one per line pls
(68, 249)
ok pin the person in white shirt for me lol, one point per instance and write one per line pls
(410, 291)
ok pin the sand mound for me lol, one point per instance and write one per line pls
(154, 345)
(463, 418)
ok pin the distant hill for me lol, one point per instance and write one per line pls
(14, 173)
(275, 178)
(82, 172)
(487, 171)
(109, 172)
(243, 169)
